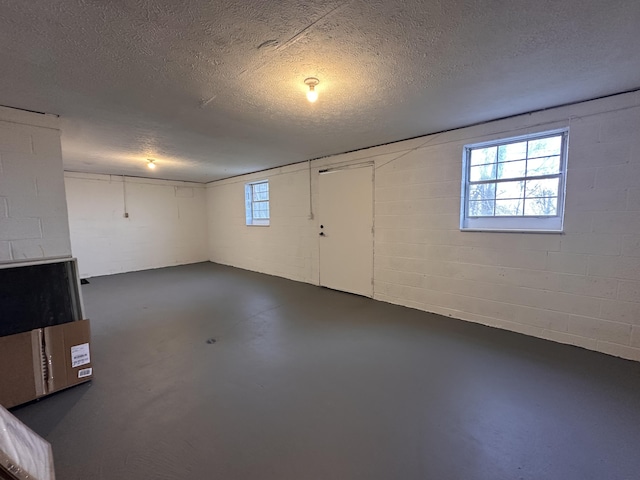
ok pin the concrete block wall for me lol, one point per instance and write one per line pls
(573, 288)
(166, 223)
(286, 248)
(33, 208)
(581, 287)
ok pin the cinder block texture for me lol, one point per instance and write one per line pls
(580, 287)
(166, 223)
(33, 208)
(287, 247)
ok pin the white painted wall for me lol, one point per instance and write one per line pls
(287, 247)
(581, 287)
(33, 208)
(166, 224)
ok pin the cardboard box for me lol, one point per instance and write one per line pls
(43, 361)
(23, 454)
(21, 378)
(68, 354)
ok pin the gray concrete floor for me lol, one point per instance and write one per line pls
(307, 383)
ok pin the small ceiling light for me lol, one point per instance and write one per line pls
(312, 95)
(151, 163)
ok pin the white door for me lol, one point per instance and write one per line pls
(346, 229)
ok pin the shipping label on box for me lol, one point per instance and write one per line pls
(68, 352)
(43, 361)
(80, 355)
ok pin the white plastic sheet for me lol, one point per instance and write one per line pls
(23, 453)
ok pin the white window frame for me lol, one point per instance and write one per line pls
(520, 223)
(250, 202)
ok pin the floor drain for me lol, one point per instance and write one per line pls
(211, 341)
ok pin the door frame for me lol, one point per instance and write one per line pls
(352, 166)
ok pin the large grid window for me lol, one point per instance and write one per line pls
(515, 184)
(256, 198)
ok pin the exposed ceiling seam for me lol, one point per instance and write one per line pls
(295, 38)
(204, 103)
(302, 32)
(437, 134)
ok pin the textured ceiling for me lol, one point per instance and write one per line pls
(213, 89)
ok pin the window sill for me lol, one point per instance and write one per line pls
(513, 230)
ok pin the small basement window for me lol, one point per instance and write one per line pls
(515, 184)
(256, 200)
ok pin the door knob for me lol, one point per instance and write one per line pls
(322, 234)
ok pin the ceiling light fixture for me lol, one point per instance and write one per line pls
(312, 95)
(151, 163)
